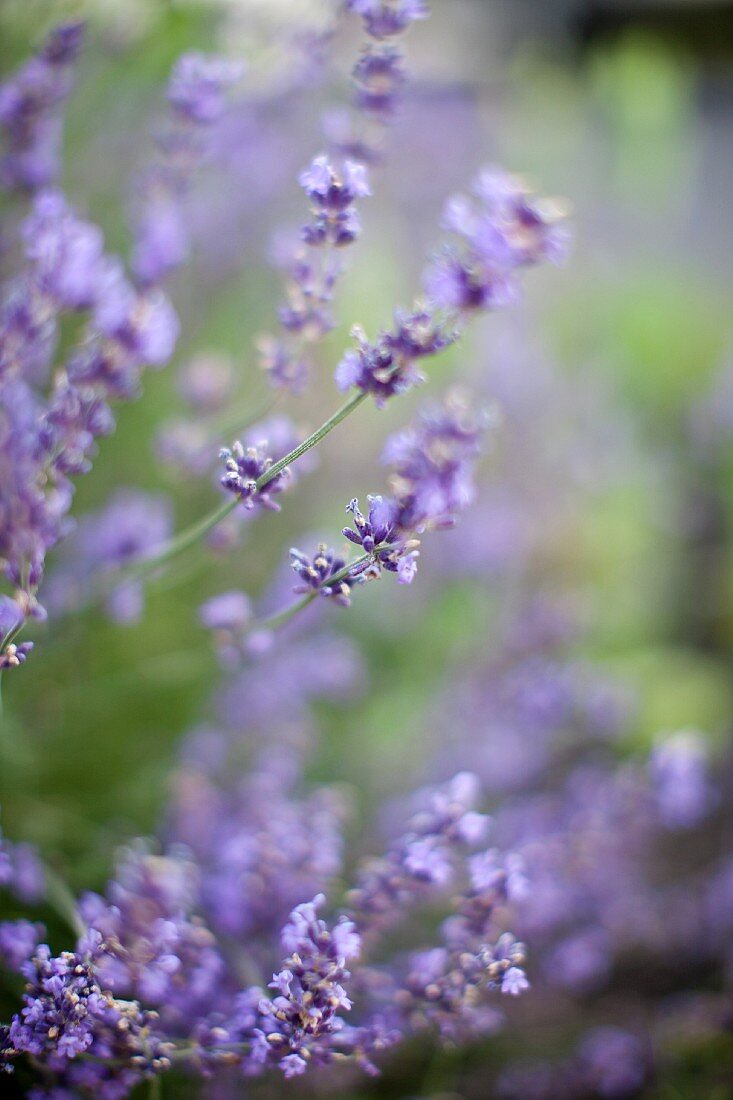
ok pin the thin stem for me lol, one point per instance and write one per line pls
(272, 622)
(60, 897)
(320, 433)
(198, 530)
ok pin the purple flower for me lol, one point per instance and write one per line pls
(381, 538)
(387, 18)
(11, 616)
(679, 772)
(316, 573)
(206, 382)
(614, 1062)
(198, 85)
(389, 365)
(228, 611)
(498, 230)
(243, 467)
(130, 528)
(30, 104)
(514, 981)
(332, 193)
(379, 76)
(66, 252)
(67, 1013)
(19, 940)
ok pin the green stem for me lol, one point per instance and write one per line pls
(272, 622)
(198, 530)
(60, 897)
(320, 433)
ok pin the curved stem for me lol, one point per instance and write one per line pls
(191, 535)
(316, 437)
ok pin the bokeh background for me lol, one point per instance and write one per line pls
(608, 486)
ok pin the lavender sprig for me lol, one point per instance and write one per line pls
(30, 110)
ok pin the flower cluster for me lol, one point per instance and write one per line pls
(433, 480)
(324, 574)
(499, 230)
(49, 430)
(197, 98)
(389, 365)
(68, 1018)
(30, 110)
(243, 469)
(387, 18)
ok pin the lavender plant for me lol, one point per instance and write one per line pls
(170, 966)
(256, 939)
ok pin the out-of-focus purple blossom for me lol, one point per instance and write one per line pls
(11, 616)
(424, 855)
(206, 382)
(379, 77)
(679, 769)
(258, 844)
(30, 110)
(19, 940)
(389, 365)
(197, 93)
(198, 85)
(614, 1062)
(66, 252)
(21, 871)
(434, 462)
(332, 193)
(581, 962)
(130, 528)
(387, 18)
(15, 654)
(499, 230)
(286, 369)
(228, 616)
(149, 944)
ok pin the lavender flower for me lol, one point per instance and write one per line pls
(387, 18)
(433, 464)
(19, 940)
(315, 574)
(197, 93)
(379, 77)
(198, 85)
(389, 365)
(30, 103)
(68, 1014)
(423, 856)
(679, 772)
(228, 615)
(130, 528)
(332, 193)
(206, 382)
(499, 230)
(380, 536)
(243, 467)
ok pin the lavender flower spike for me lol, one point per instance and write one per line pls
(30, 102)
(387, 18)
(243, 467)
(315, 574)
(381, 538)
(332, 193)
